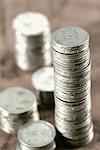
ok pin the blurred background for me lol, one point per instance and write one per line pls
(83, 13)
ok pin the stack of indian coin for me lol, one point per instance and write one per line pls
(43, 81)
(32, 40)
(17, 106)
(38, 135)
(71, 60)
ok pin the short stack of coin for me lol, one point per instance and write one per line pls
(32, 44)
(17, 106)
(37, 135)
(71, 60)
(43, 81)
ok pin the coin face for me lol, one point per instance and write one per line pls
(43, 79)
(36, 134)
(31, 23)
(17, 100)
(68, 37)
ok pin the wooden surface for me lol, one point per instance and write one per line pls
(84, 13)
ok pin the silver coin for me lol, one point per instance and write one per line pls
(67, 38)
(72, 90)
(17, 100)
(50, 147)
(18, 147)
(81, 142)
(17, 106)
(82, 135)
(32, 41)
(43, 81)
(39, 134)
(26, 21)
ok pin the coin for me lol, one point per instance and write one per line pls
(32, 41)
(37, 135)
(43, 81)
(17, 106)
(72, 91)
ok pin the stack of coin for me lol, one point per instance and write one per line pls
(71, 60)
(43, 81)
(37, 135)
(17, 106)
(32, 44)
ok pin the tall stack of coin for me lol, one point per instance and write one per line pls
(17, 106)
(32, 47)
(71, 59)
(38, 135)
(43, 81)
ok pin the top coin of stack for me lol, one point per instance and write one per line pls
(37, 135)
(43, 81)
(17, 106)
(71, 60)
(32, 47)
